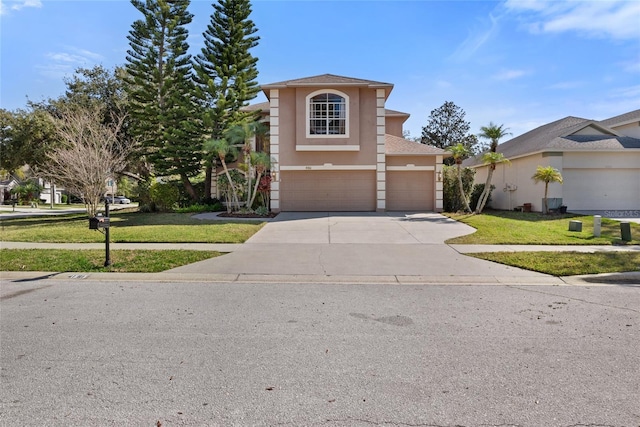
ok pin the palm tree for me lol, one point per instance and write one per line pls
(493, 133)
(261, 163)
(221, 149)
(240, 136)
(547, 174)
(492, 159)
(459, 152)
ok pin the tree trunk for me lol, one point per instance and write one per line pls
(189, 187)
(234, 194)
(546, 204)
(208, 175)
(465, 203)
(485, 192)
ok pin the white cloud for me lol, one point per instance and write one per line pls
(617, 19)
(573, 84)
(6, 6)
(510, 74)
(65, 62)
(476, 39)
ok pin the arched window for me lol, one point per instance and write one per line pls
(327, 114)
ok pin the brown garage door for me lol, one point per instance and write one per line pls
(410, 190)
(333, 191)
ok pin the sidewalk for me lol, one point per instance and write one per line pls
(199, 274)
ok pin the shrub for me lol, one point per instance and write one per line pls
(451, 192)
(475, 195)
(164, 196)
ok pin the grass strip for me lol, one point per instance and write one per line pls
(566, 263)
(128, 227)
(524, 228)
(92, 260)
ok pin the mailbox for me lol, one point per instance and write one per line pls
(98, 222)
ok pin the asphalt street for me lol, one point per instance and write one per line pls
(77, 352)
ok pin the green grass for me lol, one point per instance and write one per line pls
(127, 227)
(521, 228)
(567, 263)
(92, 260)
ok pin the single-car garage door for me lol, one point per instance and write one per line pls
(410, 190)
(327, 191)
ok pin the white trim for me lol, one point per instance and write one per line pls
(410, 168)
(308, 114)
(300, 147)
(329, 167)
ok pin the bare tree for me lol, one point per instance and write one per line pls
(90, 152)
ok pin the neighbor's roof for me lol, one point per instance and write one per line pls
(622, 119)
(394, 145)
(560, 136)
(326, 80)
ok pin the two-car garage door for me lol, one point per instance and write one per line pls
(330, 190)
(336, 191)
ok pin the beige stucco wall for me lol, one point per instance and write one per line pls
(293, 130)
(411, 160)
(518, 175)
(630, 129)
(394, 125)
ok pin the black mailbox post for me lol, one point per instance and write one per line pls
(96, 223)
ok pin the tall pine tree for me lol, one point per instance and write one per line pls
(226, 71)
(163, 104)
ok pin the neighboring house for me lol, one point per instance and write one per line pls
(6, 185)
(599, 162)
(336, 147)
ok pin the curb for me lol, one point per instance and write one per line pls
(586, 280)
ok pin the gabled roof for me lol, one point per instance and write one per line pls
(564, 134)
(328, 80)
(622, 119)
(396, 146)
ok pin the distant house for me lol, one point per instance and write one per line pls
(335, 146)
(599, 161)
(6, 185)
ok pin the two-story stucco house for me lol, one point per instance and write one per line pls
(336, 147)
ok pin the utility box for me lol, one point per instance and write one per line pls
(575, 225)
(625, 231)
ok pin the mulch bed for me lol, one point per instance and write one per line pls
(246, 215)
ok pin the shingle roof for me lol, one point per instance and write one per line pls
(388, 112)
(622, 119)
(394, 145)
(261, 106)
(328, 79)
(560, 135)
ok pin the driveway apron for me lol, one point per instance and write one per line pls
(354, 244)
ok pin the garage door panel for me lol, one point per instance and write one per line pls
(327, 190)
(601, 189)
(410, 191)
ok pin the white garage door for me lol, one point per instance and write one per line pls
(333, 191)
(601, 189)
(410, 190)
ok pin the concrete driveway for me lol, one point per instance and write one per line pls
(359, 244)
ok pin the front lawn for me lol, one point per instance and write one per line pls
(127, 227)
(523, 228)
(566, 263)
(92, 260)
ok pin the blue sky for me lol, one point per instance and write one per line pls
(520, 63)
